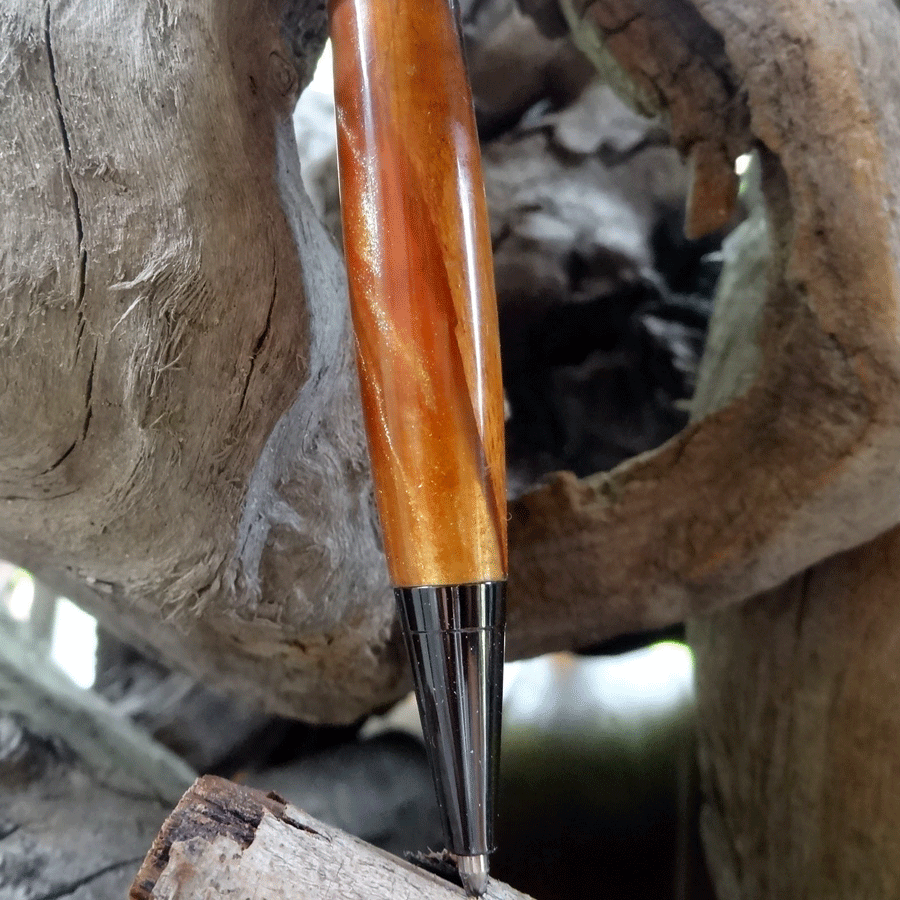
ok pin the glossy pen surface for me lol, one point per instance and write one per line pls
(418, 251)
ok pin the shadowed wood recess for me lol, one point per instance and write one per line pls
(83, 790)
(180, 432)
(422, 292)
(796, 459)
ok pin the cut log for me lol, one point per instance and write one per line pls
(240, 842)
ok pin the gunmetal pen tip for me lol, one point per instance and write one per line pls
(473, 872)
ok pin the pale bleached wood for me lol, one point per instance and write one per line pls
(238, 841)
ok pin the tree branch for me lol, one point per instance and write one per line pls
(244, 841)
(82, 792)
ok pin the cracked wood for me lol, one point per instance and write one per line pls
(219, 504)
(241, 841)
(174, 412)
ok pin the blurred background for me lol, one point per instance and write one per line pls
(596, 775)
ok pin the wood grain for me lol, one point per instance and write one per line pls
(198, 417)
(798, 459)
(422, 289)
(227, 840)
(245, 550)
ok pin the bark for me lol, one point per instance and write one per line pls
(83, 792)
(245, 842)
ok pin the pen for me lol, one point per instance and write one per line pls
(418, 250)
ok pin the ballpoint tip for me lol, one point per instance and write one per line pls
(473, 872)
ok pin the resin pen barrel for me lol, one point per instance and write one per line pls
(418, 252)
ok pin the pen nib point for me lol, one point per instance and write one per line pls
(473, 872)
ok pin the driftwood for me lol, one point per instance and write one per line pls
(210, 731)
(192, 466)
(800, 464)
(83, 792)
(799, 731)
(800, 734)
(240, 841)
(190, 452)
(797, 719)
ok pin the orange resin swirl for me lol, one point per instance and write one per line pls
(418, 250)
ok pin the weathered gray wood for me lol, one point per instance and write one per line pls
(81, 791)
(799, 731)
(800, 734)
(201, 482)
(180, 438)
(238, 841)
(192, 466)
(209, 730)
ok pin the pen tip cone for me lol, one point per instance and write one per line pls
(473, 872)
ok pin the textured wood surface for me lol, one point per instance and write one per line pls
(418, 250)
(238, 841)
(800, 462)
(202, 483)
(798, 725)
(800, 734)
(180, 432)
